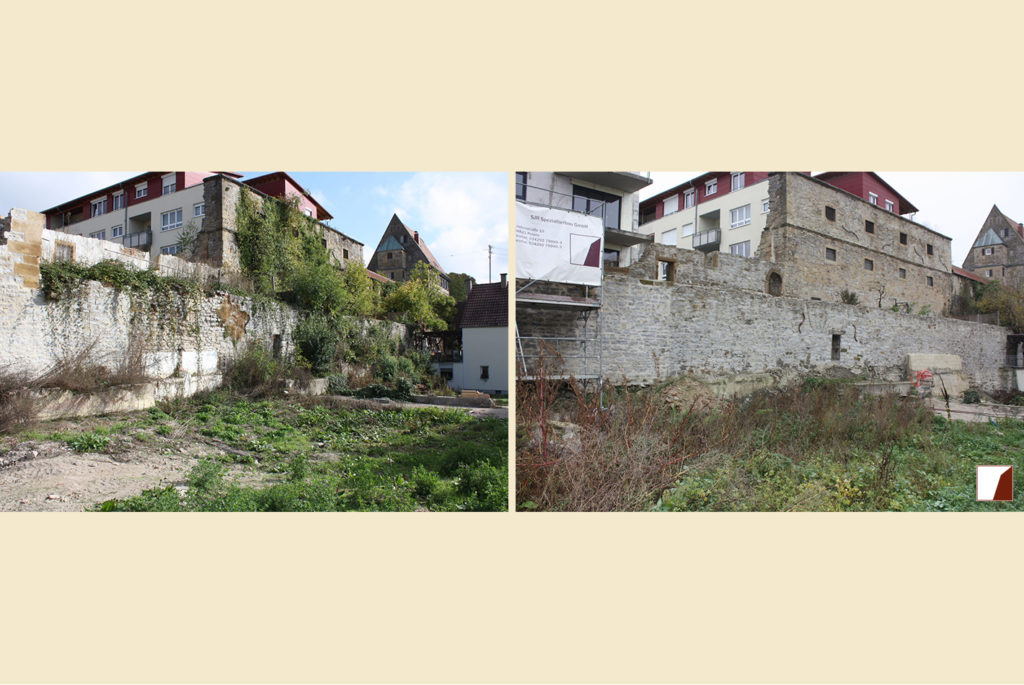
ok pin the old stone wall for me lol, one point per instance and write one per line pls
(658, 330)
(829, 240)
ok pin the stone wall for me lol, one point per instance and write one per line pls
(799, 231)
(655, 329)
(185, 340)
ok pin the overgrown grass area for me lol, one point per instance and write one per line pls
(821, 446)
(319, 455)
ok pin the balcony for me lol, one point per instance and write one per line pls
(708, 241)
(141, 241)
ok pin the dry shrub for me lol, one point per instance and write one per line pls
(80, 372)
(575, 456)
(16, 406)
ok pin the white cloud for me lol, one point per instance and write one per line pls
(459, 214)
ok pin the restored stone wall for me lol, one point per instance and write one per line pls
(799, 232)
(657, 330)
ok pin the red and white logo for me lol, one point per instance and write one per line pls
(995, 483)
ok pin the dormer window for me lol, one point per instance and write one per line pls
(141, 190)
(688, 198)
(872, 198)
(671, 205)
(711, 187)
(169, 184)
(99, 207)
(737, 180)
(890, 205)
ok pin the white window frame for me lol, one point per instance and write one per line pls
(169, 224)
(687, 230)
(118, 201)
(670, 205)
(673, 233)
(986, 251)
(170, 249)
(738, 180)
(99, 235)
(689, 196)
(744, 250)
(117, 231)
(744, 216)
(199, 209)
(765, 206)
(100, 205)
(141, 190)
(872, 198)
(169, 184)
(988, 273)
(890, 206)
(711, 187)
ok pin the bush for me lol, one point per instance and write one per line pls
(256, 372)
(319, 289)
(971, 397)
(337, 384)
(848, 297)
(317, 341)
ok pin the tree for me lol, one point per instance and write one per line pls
(459, 285)
(1008, 302)
(362, 292)
(420, 301)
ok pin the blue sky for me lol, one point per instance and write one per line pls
(951, 202)
(457, 213)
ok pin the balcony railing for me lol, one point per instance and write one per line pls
(448, 356)
(142, 240)
(707, 241)
(546, 197)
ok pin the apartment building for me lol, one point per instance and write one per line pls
(998, 251)
(611, 195)
(399, 250)
(150, 211)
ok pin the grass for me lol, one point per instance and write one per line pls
(822, 446)
(320, 455)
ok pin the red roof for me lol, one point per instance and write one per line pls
(323, 214)
(967, 274)
(486, 306)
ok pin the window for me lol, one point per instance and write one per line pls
(99, 207)
(666, 271)
(987, 250)
(597, 203)
(687, 230)
(837, 343)
(737, 180)
(929, 249)
(711, 187)
(169, 185)
(99, 235)
(989, 273)
(741, 249)
(520, 185)
(199, 209)
(889, 205)
(671, 205)
(171, 219)
(64, 252)
(389, 256)
(830, 254)
(903, 273)
(931, 281)
(611, 257)
(118, 201)
(830, 213)
(1006, 232)
(872, 198)
(869, 265)
(669, 237)
(170, 249)
(903, 238)
(117, 231)
(484, 372)
(688, 197)
(344, 253)
(869, 226)
(765, 205)
(739, 216)
(141, 190)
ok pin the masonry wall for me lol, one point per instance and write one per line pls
(183, 338)
(798, 233)
(655, 329)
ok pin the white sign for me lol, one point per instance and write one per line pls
(558, 245)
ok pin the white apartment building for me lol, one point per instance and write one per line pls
(719, 210)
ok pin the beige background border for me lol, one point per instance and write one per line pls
(511, 597)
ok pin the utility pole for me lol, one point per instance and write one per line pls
(488, 263)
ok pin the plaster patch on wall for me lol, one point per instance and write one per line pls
(233, 317)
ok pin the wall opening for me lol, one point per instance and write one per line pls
(1015, 351)
(837, 341)
(277, 346)
(667, 271)
(775, 283)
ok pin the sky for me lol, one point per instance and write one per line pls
(458, 213)
(952, 203)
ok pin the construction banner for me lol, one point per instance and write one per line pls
(558, 245)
